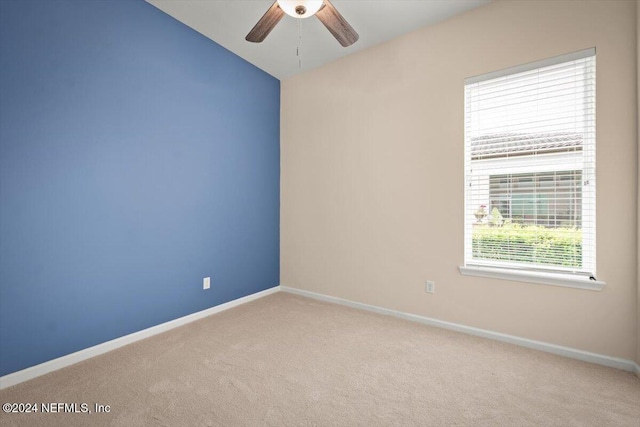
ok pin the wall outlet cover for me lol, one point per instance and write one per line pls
(430, 287)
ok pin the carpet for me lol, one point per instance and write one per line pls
(287, 360)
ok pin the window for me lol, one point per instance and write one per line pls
(548, 199)
(530, 172)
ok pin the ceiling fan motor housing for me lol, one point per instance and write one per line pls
(300, 8)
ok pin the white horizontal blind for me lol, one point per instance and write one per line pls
(530, 166)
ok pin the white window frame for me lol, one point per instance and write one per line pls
(524, 273)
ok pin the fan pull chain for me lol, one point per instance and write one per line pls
(299, 48)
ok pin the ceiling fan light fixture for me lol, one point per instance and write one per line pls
(323, 9)
(300, 8)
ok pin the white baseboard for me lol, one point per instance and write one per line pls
(600, 359)
(70, 359)
(87, 353)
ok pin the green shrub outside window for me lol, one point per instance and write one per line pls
(528, 244)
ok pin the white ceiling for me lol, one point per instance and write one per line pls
(227, 22)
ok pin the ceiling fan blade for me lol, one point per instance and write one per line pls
(337, 25)
(264, 26)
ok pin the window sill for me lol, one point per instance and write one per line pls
(535, 277)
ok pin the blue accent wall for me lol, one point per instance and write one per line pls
(136, 158)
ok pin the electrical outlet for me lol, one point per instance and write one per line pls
(430, 287)
(206, 283)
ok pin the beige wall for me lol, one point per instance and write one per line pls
(638, 138)
(372, 174)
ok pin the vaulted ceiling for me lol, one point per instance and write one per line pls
(227, 22)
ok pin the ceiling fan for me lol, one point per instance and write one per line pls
(323, 9)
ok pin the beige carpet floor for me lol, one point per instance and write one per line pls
(286, 360)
